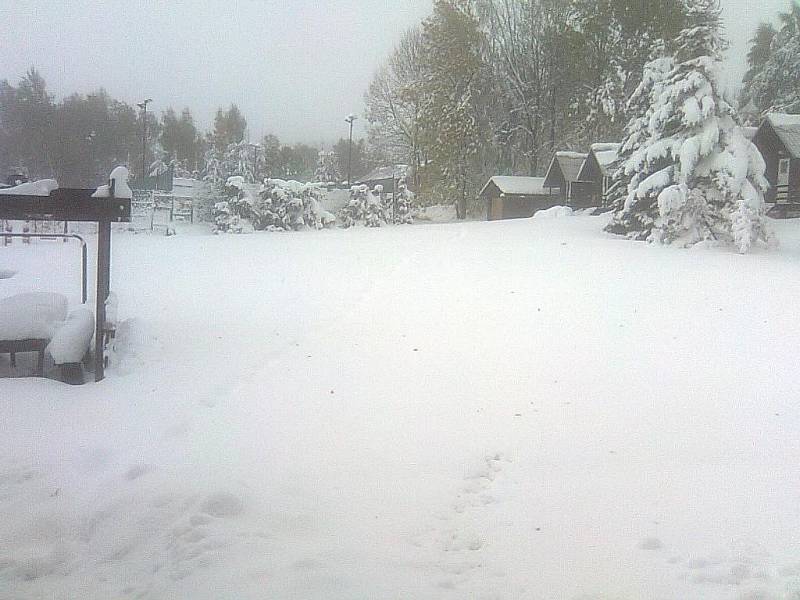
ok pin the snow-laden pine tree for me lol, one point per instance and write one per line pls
(694, 176)
(772, 82)
(327, 167)
(236, 214)
(634, 216)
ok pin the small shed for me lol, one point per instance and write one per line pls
(599, 168)
(509, 197)
(778, 140)
(562, 174)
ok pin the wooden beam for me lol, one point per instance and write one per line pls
(103, 289)
(65, 204)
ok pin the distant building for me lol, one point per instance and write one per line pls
(598, 169)
(778, 140)
(385, 176)
(509, 197)
(562, 175)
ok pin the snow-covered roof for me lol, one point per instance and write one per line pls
(787, 128)
(569, 163)
(389, 172)
(607, 156)
(41, 187)
(519, 186)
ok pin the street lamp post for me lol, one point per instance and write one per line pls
(143, 106)
(350, 118)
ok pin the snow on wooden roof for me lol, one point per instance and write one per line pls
(518, 186)
(389, 172)
(607, 156)
(569, 163)
(787, 128)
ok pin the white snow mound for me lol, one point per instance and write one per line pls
(121, 189)
(71, 341)
(42, 187)
(556, 212)
(32, 315)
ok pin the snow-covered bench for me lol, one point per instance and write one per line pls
(28, 322)
(38, 322)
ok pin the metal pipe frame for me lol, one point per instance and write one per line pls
(65, 237)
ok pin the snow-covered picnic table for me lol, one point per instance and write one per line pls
(40, 322)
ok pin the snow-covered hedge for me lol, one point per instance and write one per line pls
(285, 205)
(279, 206)
(375, 207)
(236, 214)
(282, 205)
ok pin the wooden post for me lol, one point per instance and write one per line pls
(103, 288)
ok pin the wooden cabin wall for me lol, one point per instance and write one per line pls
(794, 181)
(771, 148)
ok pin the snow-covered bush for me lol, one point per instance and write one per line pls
(284, 205)
(404, 204)
(691, 174)
(374, 211)
(237, 213)
(355, 210)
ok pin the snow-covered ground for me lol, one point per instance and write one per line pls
(517, 409)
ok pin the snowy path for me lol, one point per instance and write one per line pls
(522, 409)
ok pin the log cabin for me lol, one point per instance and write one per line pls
(510, 197)
(778, 140)
(562, 175)
(598, 169)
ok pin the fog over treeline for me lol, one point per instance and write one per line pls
(79, 139)
(479, 87)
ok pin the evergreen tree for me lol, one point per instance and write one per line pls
(693, 175)
(237, 213)
(327, 167)
(229, 127)
(26, 125)
(635, 216)
(615, 37)
(772, 82)
(179, 139)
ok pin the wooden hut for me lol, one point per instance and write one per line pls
(562, 175)
(778, 140)
(598, 169)
(509, 197)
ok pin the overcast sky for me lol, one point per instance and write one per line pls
(296, 68)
